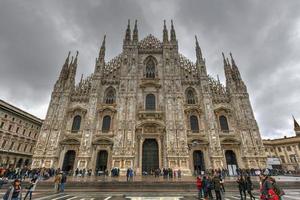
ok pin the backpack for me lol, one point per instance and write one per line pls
(277, 189)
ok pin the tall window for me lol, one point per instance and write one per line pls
(110, 96)
(76, 123)
(150, 102)
(106, 123)
(194, 123)
(223, 123)
(190, 97)
(150, 69)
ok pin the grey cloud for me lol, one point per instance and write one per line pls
(35, 37)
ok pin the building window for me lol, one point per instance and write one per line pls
(194, 123)
(279, 149)
(293, 158)
(289, 148)
(30, 149)
(3, 144)
(35, 135)
(9, 128)
(282, 159)
(29, 134)
(11, 145)
(223, 123)
(190, 97)
(5, 116)
(25, 148)
(150, 102)
(110, 96)
(76, 123)
(24, 131)
(13, 119)
(150, 69)
(19, 147)
(2, 124)
(17, 131)
(106, 123)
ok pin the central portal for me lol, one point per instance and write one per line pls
(150, 155)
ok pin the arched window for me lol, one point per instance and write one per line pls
(190, 97)
(194, 123)
(106, 123)
(76, 123)
(150, 102)
(110, 96)
(223, 123)
(150, 69)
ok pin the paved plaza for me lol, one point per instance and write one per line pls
(290, 195)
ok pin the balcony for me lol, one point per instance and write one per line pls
(150, 115)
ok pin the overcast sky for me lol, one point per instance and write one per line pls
(264, 37)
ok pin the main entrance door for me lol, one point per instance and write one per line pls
(231, 162)
(150, 159)
(198, 162)
(101, 161)
(69, 160)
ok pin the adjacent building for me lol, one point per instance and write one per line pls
(284, 153)
(19, 132)
(150, 107)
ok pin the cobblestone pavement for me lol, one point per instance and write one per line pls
(290, 195)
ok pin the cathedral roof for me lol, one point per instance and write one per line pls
(113, 64)
(186, 64)
(150, 42)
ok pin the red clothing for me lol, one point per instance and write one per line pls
(199, 183)
(272, 195)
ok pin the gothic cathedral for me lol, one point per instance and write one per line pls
(149, 107)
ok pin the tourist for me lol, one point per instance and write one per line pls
(199, 187)
(127, 174)
(31, 188)
(265, 186)
(217, 186)
(57, 181)
(14, 192)
(63, 182)
(242, 186)
(249, 187)
(179, 173)
(278, 191)
(207, 187)
(222, 181)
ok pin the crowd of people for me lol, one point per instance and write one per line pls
(268, 188)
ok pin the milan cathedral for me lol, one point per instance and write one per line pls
(149, 107)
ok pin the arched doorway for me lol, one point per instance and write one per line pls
(20, 162)
(69, 160)
(231, 162)
(198, 159)
(101, 161)
(26, 163)
(150, 160)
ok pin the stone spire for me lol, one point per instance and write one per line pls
(198, 51)
(127, 39)
(165, 33)
(135, 36)
(227, 70)
(173, 34)
(235, 69)
(102, 51)
(64, 73)
(73, 69)
(296, 127)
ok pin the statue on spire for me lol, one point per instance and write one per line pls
(135, 36)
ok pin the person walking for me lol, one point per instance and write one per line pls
(63, 182)
(14, 192)
(249, 187)
(207, 187)
(57, 181)
(242, 186)
(217, 186)
(199, 187)
(31, 188)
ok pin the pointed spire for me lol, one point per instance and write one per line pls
(173, 34)
(128, 33)
(224, 59)
(296, 127)
(67, 59)
(232, 60)
(198, 51)
(65, 69)
(102, 50)
(81, 79)
(234, 67)
(135, 37)
(227, 70)
(75, 61)
(165, 33)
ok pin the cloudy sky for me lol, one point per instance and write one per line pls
(264, 37)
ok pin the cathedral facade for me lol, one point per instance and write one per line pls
(149, 107)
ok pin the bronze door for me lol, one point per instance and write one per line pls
(198, 161)
(69, 160)
(150, 159)
(102, 160)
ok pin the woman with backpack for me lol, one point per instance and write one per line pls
(14, 192)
